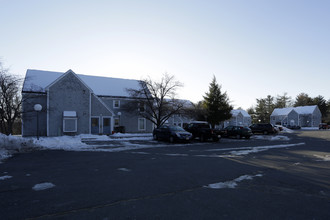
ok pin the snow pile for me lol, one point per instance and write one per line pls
(13, 144)
(61, 143)
(42, 186)
(232, 183)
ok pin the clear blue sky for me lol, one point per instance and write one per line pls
(253, 47)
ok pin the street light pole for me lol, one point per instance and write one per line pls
(37, 108)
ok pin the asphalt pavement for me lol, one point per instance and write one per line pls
(258, 179)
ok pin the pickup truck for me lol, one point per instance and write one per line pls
(202, 130)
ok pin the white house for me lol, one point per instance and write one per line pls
(239, 118)
(303, 116)
(181, 118)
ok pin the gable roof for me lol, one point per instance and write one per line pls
(38, 80)
(281, 111)
(301, 110)
(63, 75)
(235, 112)
(305, 110)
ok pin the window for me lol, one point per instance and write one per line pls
(116, 104)
(95, 122)
(116, 122)
(141, 124)
(69, 121)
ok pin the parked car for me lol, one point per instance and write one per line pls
(237, 131)
(293, 127)
(202, 130)
(263, 128)
(324, 126)
(171, 133)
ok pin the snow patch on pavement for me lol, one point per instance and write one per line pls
(271, 137)
(43, 186)
(131, 135)
(5, 177)
(310, 128)
(124, 169)
(262, 148)
(322, 157)
(175, 155)
(247, 150)
(232, 183)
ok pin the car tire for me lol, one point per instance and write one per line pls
(238, 136)
(171, 139)
(265, 132)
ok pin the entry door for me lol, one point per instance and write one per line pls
(106, 125)
(95, 125)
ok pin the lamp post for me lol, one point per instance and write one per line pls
(37, 108)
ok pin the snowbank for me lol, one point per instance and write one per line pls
(61, 143)
(13, 144)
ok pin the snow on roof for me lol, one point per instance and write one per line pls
(282, 111)
(38, 80)
(235, 112)
(301, 110)
(305, 110)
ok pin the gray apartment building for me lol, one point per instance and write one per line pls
(73, 104)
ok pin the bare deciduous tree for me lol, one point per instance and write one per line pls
(159, 98)
(10, 100)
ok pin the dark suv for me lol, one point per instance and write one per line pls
(263, 128)
(237, 131)
(202, 130)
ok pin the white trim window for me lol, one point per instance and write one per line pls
(69, 121)
(116, 103)
(69, 124)
(142, 124)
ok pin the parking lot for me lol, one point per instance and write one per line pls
(282, 176)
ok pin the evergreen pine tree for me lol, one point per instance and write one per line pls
(216, 104)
